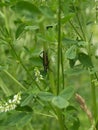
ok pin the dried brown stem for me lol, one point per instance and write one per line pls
(84, 107)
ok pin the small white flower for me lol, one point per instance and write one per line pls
(38, 76)
(11, 104)
(9, 101)
(6, 104)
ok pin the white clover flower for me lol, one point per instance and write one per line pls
(38, 76)
(9, 101)
(16, 98)
(11, 104)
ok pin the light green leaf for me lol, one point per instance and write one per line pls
(46, 96)
(47, 12)
(69, 42)
(60, 102)
(71, 52)
(67, 93)
(85, 60)
(82, 43)
(31, 28)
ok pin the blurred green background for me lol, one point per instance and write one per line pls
(26, 35)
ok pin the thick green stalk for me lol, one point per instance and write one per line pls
(59, 47)
(52, 82)
(60, 119)
(59, 112)
(94, 101)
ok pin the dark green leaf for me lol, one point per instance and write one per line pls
(71, 108)
(24, 109)
(25, 120)
(19, 30)
(72, 122)
(72, 62)
(36, 61)
(71, 116)
(19, 118)
(67, 17)
(25, 8)
(3, 115)
(85, 60)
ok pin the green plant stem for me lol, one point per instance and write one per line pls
(14, 79)
(52, 82)
(75, 29)
(59, 112)
(44, 114)
(60, 119)
(10, 43)
(93, 91)
(79, 22)
(93, 87)
(5, 17)
(81, 27)
(89, 45)
(59, 47)
(96, 11)
(93, 76)
(62, 66)
(19, 59)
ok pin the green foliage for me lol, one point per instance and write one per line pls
(17, 118)
(19, 30)
(67, 93)
(60, 102)
(71, 118)
(85, 60)
(25, 8)
(71, 52)
(67, 32)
